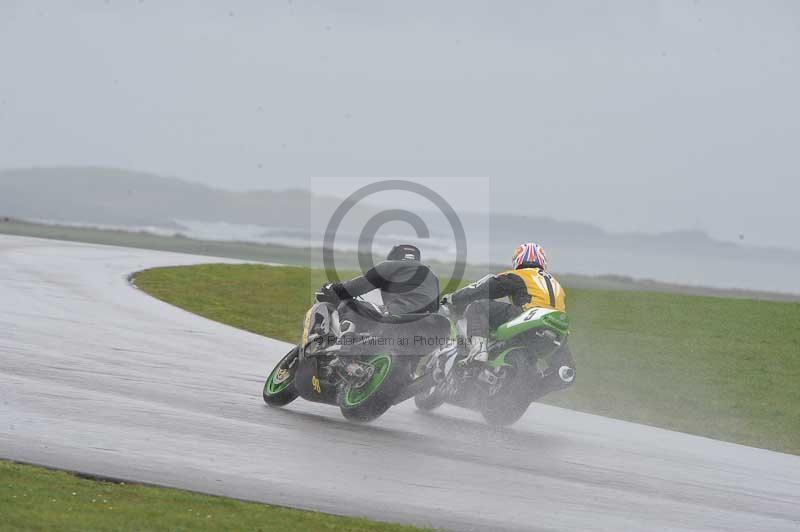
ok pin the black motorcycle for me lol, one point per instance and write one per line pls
(364, 364)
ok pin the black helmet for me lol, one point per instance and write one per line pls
(404, 252)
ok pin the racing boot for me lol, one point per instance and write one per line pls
(477, 352)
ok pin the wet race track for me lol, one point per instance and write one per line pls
(98, 377)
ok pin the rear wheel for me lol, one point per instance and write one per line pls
(279, 388)
(371, 399)
(511, 401)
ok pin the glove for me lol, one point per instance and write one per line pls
(327, 293)
(452, 306)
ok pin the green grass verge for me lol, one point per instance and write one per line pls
(36, 499)
(722, 368)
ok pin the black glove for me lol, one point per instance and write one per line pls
(455, 308)
(327, 293)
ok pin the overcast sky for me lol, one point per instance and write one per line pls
(645, 116)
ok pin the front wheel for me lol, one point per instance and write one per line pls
(279, 388)
(429, 399)
(375, 396)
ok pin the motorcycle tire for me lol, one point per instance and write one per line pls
(512, 400)
(372, 399)
(430, 399)
(281, 391)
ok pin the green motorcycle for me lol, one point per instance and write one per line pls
(528, 358)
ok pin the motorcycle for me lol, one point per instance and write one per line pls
(528, 358)
(364, 370)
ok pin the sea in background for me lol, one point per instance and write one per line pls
(729, 267)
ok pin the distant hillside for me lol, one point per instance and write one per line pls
(113, 196)
(108, 196)
(119, 197)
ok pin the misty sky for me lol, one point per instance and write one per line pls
(644, 116)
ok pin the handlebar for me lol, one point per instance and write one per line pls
(325, 295)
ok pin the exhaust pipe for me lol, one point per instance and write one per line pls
(556, 380)
(566, 374)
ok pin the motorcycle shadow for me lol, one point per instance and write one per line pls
(313, 422)
(431, 430)
(460, 427)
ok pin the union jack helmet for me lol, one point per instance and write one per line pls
(529, 255)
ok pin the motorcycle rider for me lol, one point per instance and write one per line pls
(527, 285)
(406, 285)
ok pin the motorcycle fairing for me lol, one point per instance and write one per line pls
(534, 319)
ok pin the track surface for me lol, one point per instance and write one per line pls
(98, 377)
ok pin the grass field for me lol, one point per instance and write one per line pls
(36, 499)
(724, 368)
